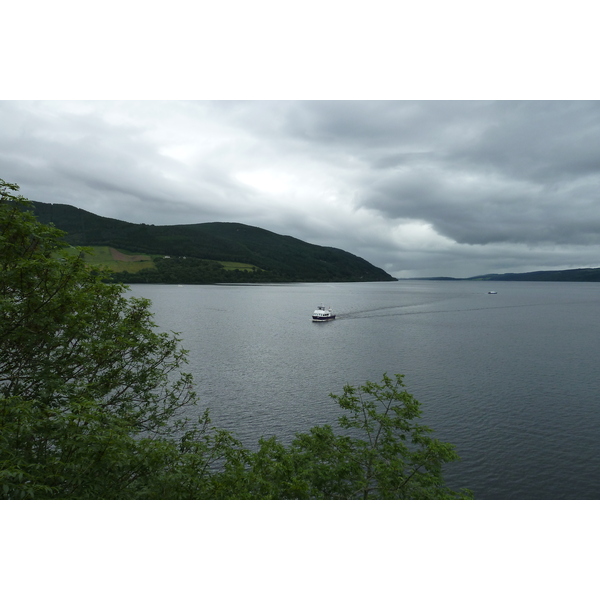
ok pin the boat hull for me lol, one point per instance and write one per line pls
(319, 319)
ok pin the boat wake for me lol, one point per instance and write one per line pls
(398, 311)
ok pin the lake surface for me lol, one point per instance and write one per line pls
(511, 379)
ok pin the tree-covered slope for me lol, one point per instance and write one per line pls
(277, 257)
(565, 275)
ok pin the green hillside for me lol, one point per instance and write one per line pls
(203, 253)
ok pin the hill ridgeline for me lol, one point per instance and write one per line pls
(206, 252)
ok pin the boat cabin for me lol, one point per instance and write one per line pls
(323, 314)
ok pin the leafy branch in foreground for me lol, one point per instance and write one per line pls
(385, 454)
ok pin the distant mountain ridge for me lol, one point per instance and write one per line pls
(584, 274)
(277, 258)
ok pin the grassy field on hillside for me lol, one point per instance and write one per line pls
(122, 260)
(102, 256)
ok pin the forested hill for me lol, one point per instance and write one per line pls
(273, 257)
(565, 275)
(585, 274)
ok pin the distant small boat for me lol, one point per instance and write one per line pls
(323, 314)
(492, 292)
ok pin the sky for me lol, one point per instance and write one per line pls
(418, 188)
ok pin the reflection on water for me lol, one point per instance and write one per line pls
(509, 378)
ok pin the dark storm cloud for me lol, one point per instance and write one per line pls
(519, 172)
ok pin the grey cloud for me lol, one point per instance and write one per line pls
(539, 141)
(488, 212)
(530, 175)
(508, 185)
(113, 170)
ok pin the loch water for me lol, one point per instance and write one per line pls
(511, 379)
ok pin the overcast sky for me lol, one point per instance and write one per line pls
(418, 188)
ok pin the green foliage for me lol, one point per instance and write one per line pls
(91, 399)
(384, 454)
(86, 384)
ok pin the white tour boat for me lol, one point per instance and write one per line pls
(323, 314)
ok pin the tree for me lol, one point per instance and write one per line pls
(89, 392)
(386, 454)
(91, 401)
(391, 455)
